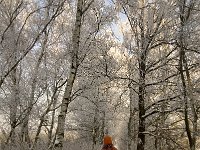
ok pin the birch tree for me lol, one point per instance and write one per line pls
(71, 78)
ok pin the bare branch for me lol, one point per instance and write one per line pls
(86, 7)
(29, 48)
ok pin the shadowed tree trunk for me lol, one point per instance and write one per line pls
(142, 75)
(185, 13)
(141, 102)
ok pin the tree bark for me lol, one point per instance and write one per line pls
(186, 119)
(185, 12)
(142, 74)
(192, 102)
(95, 128)
(50, 133)
(72, 75)
(14, 90)
(132, 118)
(141, 103)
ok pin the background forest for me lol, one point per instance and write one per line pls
(72, 71)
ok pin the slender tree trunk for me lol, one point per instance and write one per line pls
(14, 90)
(141, 101)
(142, 74)
(185, 12)
(42, 120)
(187, 125)
(131, 122)
(13, 106)
(186, 95)
(94, 133)
(131, 132)
(50, 133)
(192, 102)
(72, 75)
(186, 119)
(24, 130)
(160, 140)
(96, 126)
(102, 127)
(141, 104)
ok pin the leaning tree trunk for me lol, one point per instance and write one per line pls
(42, 118)
(72, 75)
(24, 130)
(25, 124)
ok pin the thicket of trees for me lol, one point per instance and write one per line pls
(73, 71)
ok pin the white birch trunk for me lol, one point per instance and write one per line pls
(72, 75)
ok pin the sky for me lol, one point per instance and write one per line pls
(119, 26)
